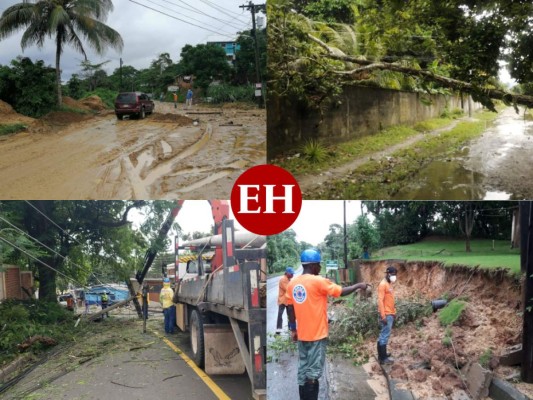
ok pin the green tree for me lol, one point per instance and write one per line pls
(94, 75)
(411, 45)
(362, 234)
(129, 78)
(245, 57)
(282, 251)
(67, 20)
(75, 87)
(207, 62)
(28, 86)
(88, 239)
(333, 246)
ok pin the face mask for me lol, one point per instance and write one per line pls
(392, 278)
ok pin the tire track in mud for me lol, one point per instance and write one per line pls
(144, 178)
(105, 159)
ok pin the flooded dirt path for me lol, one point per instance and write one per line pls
(160, 157)
(311, 182)
(496, 166)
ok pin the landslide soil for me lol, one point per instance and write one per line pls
(491, 321)
(67, 155)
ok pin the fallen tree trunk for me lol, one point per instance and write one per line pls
(92, 317)
(368, 65)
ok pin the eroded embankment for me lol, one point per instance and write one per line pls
(426, 362)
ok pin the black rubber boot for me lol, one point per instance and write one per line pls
(311, 388)
(380, 357)
(301, 390)
(386, 359)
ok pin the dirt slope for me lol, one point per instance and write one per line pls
(491, 321)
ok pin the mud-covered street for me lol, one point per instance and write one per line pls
(166, 155)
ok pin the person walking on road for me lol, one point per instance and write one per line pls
(175, 99)
(188, 98)
(307, 299)
(387, 313)
(105, 302)
(169, 309)
(282, 299)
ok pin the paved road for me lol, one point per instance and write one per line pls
(145, 366)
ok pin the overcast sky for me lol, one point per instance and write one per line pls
(316, 216)
(194, 216)
(146, 33)
(311, 226)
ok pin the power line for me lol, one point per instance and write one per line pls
(38, 260)
(44, 245)
(198, 11)
(179, 19)
(44, 215)
(220, 9)
(176, 12)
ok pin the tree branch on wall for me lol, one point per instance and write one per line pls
(483, 95)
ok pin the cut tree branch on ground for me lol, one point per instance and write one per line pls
(465, 87)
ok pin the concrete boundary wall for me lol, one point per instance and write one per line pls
(362, 111)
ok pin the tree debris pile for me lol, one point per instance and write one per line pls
(93, 341)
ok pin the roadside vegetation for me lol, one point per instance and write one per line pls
(7, 129)
(315, 156)
(22, 320)
(355, 321)
(29, 86)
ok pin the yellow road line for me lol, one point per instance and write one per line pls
(203, 376)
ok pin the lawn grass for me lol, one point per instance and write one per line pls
(7, 129)
(338, 154)
(452, 252)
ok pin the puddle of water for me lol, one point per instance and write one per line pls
(481, 170)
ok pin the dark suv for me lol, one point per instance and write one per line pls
(133, 103)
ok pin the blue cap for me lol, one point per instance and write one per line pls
(310, 256)
(289, 270)
(166, 280)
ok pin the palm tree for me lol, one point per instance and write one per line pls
(65, 20)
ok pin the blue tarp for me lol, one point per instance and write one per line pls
(93, 295)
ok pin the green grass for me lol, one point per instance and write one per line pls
(73, 110)
(7, 129)
(338, 154)
(381, 180)
(450, 314)
(452, 252)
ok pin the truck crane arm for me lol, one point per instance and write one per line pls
(220, 211)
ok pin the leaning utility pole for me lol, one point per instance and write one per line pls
(526, 264)
(254, 8)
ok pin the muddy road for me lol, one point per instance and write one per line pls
(495, 166)
(164, 156)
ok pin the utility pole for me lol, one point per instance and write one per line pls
(254, 8)
(526, 264)
(120, 90)
(345, 237)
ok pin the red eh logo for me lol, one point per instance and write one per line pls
(266, 199)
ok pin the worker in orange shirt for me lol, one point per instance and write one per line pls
(282, 299)
(387, 313)
(307, 300)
